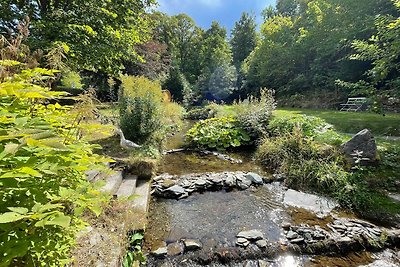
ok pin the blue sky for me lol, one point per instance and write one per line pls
(226, 12)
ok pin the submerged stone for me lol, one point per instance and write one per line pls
(175, 249)
(251, 235)
(191, 244)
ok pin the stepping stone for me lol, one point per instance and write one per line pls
(251, 235)
(191, 244)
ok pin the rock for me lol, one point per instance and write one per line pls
(297, 240)
(345, 239)
(262, 243)
(191, 244)
(201, 182)
(251, 235)
(174, 249)
(262, 263)
(160, 252)
(292, 235)
(230, 181)
(243, 242)
(255, 178)
(243, 182)
(168, 183)
(361, 149)
(286, 225)
(176, 190)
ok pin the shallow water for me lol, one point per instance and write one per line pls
(215, 218)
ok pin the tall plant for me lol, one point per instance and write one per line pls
(43, 189)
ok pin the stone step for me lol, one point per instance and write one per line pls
(92, 175)
(140, 204)
(127, 187)
(113, 182)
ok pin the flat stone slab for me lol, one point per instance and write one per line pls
(127, 187)
(113, 182)
(251, 235)
(310, 202)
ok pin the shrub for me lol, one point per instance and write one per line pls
(141, 109)
(71, 79)
(219, 133)
(201, 113)
(309, 126)
(304, 162)
(43, 185)
(173, 116)
(253, 114)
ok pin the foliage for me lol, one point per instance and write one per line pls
(42, 164)
(219, 133)
(244, 38)
(71, 79)
(173, 114)
(305, 163)
(141, 110)
(179, 87)
(306, 36)
(135, 253)
(382, 50)
(308, 125)
(201, 113)
(223, 82)
(97, 35)
(253, 114)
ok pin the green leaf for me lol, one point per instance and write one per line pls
(60, 220)
(30, 171)
(8, 217)
(19, 210)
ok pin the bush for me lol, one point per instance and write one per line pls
(219, 133)
(42, 167)
(71, 80)
(201, 113)
(304, 162)
(253, 114)
(309, 126)
(142, 114)
(173, 116)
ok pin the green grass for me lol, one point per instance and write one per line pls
(352, 122)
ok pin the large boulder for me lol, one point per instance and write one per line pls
(361, 149)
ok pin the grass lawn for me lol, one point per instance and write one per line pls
(352, 122)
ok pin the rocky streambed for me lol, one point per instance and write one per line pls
(212, 209)
(243, 218)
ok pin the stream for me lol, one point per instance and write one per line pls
(214, 216)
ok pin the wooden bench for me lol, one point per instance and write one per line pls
(354, 104)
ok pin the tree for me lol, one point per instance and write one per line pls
(287, 7)
(382, 51)
(177, 84)
(244, 38)
(223, 82)
(97, 34)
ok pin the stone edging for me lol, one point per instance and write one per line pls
(181, 186)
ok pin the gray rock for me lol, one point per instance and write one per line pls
(176, 190)
(201, 182)
(255, 178)
(243, 242)
(262, 263)
(286, 225)
(262, 243)
(345, 239)
(292, 235)
(243, 182)
(191, 244)
(174, 249)
(160, 252)
(361, 149)
(297, 240)
(230, 181)
(251, 235)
